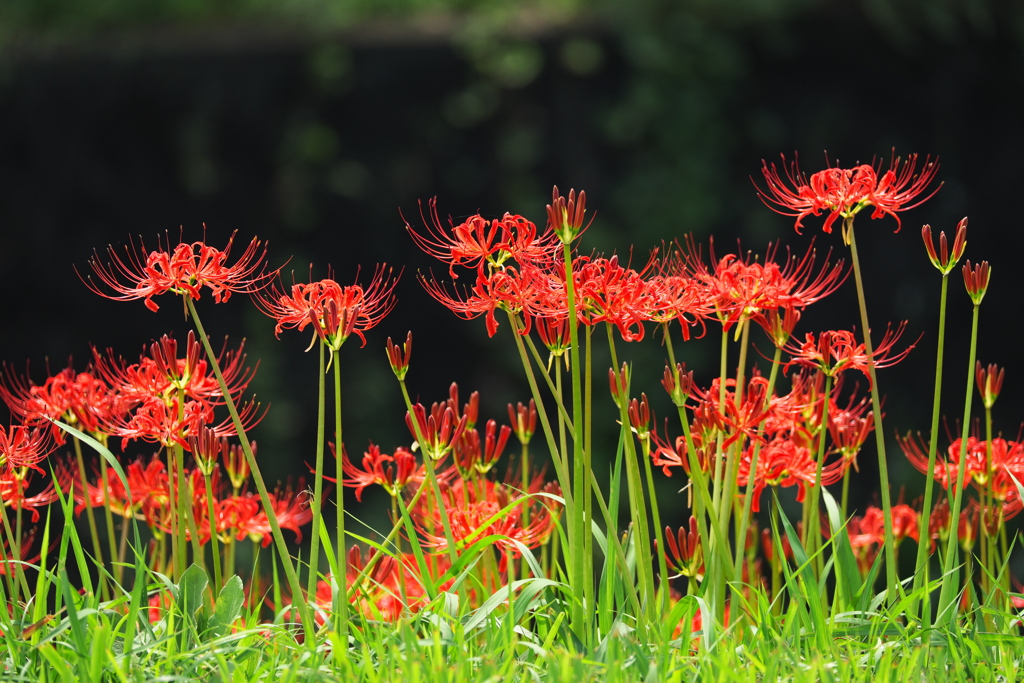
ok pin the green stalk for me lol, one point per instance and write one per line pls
(341, 598)
(891, 582)
(90, 516)
(812, 531)
(214, 542)
(316, 504)
(950, 568)
(579, 536)
(561, 467)
(922, 563)
(637, 503)
(428, 463)
(748, 498)
(308, 624)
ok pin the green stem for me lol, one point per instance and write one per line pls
(891, 582)
(923, 558)
(579, 536)
(316, 505)
(254, 468)
(950, 569)
(341, 597)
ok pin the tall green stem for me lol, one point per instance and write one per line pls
(341, 596)
(950, 568)
(318, 477)
(268, 505)
(579, 536)
(891, 582)
(922, 562)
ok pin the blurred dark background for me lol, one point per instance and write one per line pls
(313, 124)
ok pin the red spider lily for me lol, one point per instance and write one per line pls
(836, 351)
(7, 559)
(843, 192)
(976, 280)
(993, 466)
(291, 508)
(555, 334)
(24, 446)
(618, 383)
(524, 420)
(480, 454)
(666, 455)
(437, 432)
(678, 383)
(677, 297)
(471, 410)
(164, 376)
(989, 381)
(745, 287)
(565, 216)
(735, 421)
(850, 427)
(334, 310)
(14, 486)
(477, 241)
(184, 271)
(508, 289)
(870, 529)
(683, 550)
(640, 417)
(484, 509)
(149, 485)
(393, 472)
(167, 423)
(782, 462)
(943, 260)
(609, 292)
(83, 400)
(399, 357)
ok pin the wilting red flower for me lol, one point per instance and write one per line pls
(334, 310)
(843, 192)
(185, 270)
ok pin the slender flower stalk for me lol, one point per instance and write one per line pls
(976, 279)
(944, 261)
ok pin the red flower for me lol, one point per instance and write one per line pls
(477, 242)
(22, 446)
(335, 311)
(185, 271)
(836, 351)
(683, 552)
(83, 400)
(845, 191)
(393, 472)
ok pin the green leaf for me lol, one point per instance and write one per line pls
(228, 606)
(190, 589)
